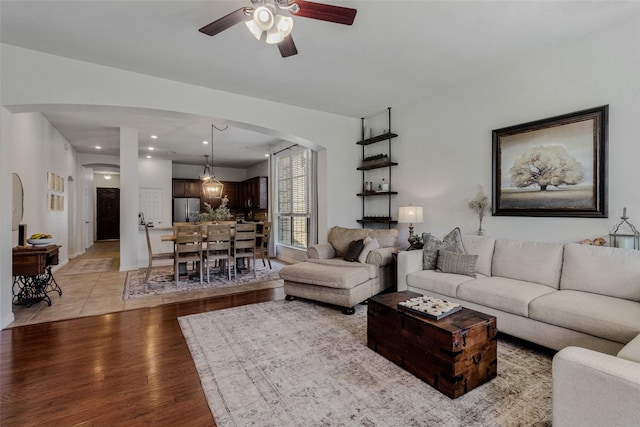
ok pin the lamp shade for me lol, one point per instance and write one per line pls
(410, 214)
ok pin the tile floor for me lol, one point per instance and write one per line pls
(100, 293)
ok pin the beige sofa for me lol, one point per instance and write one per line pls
(581, 300)
(326, 277)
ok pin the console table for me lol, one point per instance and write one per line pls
(32, 277)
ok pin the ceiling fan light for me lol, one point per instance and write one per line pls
(254, 29)
(281, 29)
(263, 17)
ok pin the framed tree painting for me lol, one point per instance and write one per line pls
(554, 167)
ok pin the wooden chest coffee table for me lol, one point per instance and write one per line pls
(454, 354)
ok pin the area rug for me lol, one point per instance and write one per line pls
(303, 364)
(162, 280)
(86, 266)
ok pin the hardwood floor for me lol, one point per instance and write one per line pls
(126, 368)
(92, 359)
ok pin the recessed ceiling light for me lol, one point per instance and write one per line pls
(151, 148)
(205, 142)
(266, 155)
(148, 156)
(98, 147)
(154, 136)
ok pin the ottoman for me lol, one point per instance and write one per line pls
(343, 284)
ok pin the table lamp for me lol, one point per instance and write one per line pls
(412, 215)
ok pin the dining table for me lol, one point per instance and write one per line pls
(183, 267)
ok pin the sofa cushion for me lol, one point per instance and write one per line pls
(450, 242)
(614, 319)
(482, 246)
(369, 245)
(345, 276)
(536, 262)
(631, 351)
(386, 238)
(601, 270)
(453, 262)
(512, 296)
(353, 251)
(436, 281)
(372, 269)
(341, 237)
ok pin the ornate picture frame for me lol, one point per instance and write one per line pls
(554, 167)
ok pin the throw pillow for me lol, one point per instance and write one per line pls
(354, 249)
(451, 242)
(457, 263)
(369, 245)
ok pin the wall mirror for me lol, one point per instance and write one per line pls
(18, 202)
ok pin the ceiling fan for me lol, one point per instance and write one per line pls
(264, 20)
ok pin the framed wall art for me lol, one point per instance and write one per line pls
(554, 167)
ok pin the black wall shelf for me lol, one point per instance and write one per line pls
(385, 217)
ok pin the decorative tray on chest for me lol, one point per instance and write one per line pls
(429, 307)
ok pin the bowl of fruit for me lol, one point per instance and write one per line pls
(40, 239)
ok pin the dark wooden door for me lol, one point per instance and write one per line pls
(108, 214)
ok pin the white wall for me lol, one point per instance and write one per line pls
(6, 235)
(39, 148)
(445, 150)
(100, 181)
(259, 169)
(194, 172)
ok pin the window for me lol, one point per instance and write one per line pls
(295, 201)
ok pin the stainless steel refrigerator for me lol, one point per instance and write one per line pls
(186, 209)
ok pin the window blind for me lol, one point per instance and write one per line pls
(294, 203)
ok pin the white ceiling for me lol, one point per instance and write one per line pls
(396, 52)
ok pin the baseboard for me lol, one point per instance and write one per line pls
(288, 260)
(77, 254)
(7, 320)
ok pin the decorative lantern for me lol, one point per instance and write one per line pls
(626, 238)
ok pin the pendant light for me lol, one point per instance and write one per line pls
(211, 187)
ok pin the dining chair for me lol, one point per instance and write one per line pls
(188, 248)
(154, 256)
(262, 243)
(244, 245)
(218, 246)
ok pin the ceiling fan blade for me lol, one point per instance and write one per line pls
(287, 47)
(325, 12)
(226, 22)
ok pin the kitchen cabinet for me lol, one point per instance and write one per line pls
(254, 193)
(187, 188)
(250, 194)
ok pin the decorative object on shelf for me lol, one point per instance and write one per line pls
(481, 206)
(535, 177)
(211, 187)
(221, 213)
(384, 185)
(412, 214)
(377, 160)
(620, 239)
